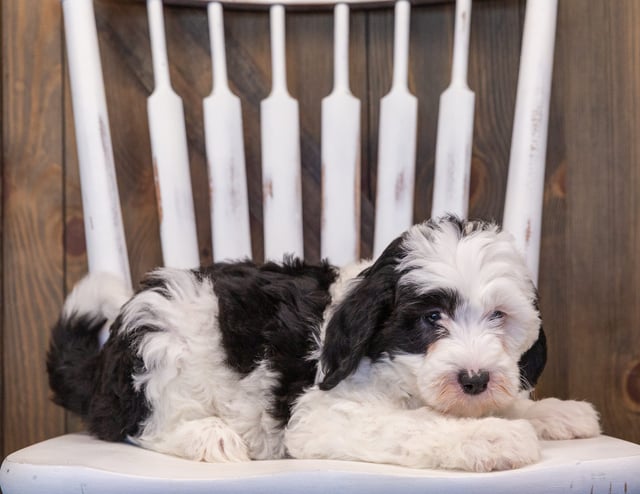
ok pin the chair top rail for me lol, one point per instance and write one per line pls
(298, 4)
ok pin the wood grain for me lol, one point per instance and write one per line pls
(32, 215)
(555, 257)
(589, 280)
(602, 182)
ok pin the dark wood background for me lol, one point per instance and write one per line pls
(590, 276)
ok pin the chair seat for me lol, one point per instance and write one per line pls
(76, 463)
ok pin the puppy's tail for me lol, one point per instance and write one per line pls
(74, 347)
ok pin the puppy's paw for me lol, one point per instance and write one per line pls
(208, 439)
(498, 444)
(558, 419)
(221, 444)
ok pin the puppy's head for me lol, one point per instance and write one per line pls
(458, 297)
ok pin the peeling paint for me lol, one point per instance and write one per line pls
(104, 138)
(400, 187)
(527, 233)
(234, 193)
(267, 189)
(212, 190)
(156, 183)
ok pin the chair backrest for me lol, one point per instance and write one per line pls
(280, 142)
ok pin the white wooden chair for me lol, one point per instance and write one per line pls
(80, 463)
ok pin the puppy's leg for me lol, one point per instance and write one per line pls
(557, 419)
(322, 427)
(207, 439)
(182, 370)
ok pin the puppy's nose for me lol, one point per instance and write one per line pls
(473, 383)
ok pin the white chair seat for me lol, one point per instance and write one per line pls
(77, 463)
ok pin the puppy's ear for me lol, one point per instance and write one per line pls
(359, 317)
(533, 361)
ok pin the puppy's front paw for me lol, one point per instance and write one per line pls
(498, 444)
(558, 419)
(208, 439)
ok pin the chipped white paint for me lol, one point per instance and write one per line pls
(455, 127)
(170, 156)
(523, 203)
(340, 240)
(397, 142)
(231, 234)
(280, 134)
(106, 246)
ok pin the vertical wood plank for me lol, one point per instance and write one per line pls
(32, 206)
(554, 255)
(602, 111)
(496, 34)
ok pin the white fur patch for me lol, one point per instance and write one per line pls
(372, 416)
(100, 295)
(200, 408)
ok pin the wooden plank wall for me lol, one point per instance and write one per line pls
(589, 280)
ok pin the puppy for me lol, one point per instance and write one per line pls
(423, 358)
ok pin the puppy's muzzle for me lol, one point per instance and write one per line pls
(473, 383)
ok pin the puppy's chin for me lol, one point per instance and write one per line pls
(445, 395)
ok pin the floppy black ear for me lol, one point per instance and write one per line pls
(359, 317)
(533, 361)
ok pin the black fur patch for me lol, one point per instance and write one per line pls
(354, 329)
(72, 361)
(96, 384)
(532, 362)
(117, 409)
(409, 328)
(272, 312)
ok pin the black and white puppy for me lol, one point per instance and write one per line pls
(423, 358)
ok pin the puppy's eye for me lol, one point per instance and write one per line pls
(496, 315)
(433, 316)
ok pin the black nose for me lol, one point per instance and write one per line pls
(473, 383)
